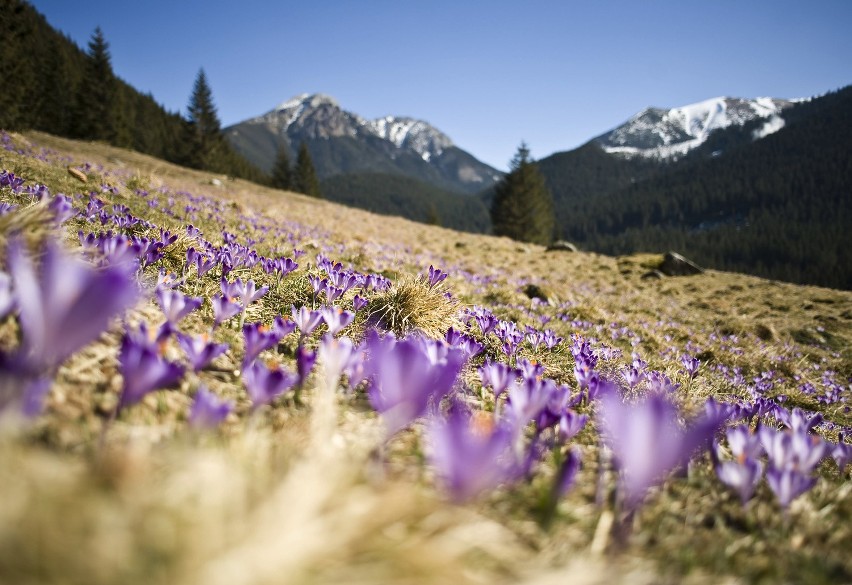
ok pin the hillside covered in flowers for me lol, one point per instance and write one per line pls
(207, 381)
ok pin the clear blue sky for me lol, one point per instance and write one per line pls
(487, 73)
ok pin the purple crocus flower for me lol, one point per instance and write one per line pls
(744, 472)
(208, 411)
(306, 320)
(176, 305)
(66, 304)
(223, 309)
(7, 296)
(359, 302)
(143, 369)
(305, 360)
(258, 338)
(436, 276)
(691, 365)
(405, 379)
(283, 326)
(527, 400)
(470, 454)
(338, 355)
(788, 484)
(200, 350)
(498, 376)
(336, 318)
(647, 441)
(571, 423)
(567, 472)
(264, 384)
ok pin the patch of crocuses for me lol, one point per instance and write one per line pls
(493, 401)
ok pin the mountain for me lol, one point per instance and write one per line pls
(669, 134)
(739, 197)
(342, 142)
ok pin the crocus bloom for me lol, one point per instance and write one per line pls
(336, 318)
(258, 338)
(498, 376)
(691, 365)
(223, 309)
(208, 410)
(359, 302)
(405, 379)
(176, 305)
(306, 320)
(744, 472)
(470, 454)
(7, 298)
(144, 370)
(283, 326)
(647, 441)
(436, 276)
(66, 305)
(200, 350)
(336, 355)
(571, 423)
(264, 384)
(305, 360)
(788, 484)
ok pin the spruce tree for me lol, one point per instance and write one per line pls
(523, 206)
(305, 179)
(204, 141)
(96, 96)
(282, 172)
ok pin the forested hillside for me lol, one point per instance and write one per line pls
(777, 207)
(50, 84)
(389, 194)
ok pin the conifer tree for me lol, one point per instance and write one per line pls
(204, 141)
(282, 172)
(95, 100)
(305, 177)
(523, 206)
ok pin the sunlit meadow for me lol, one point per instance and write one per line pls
(208, 381)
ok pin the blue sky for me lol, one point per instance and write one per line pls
(488, 74)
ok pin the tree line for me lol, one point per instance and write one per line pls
(51, 85)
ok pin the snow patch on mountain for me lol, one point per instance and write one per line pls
(660, 133)
(418, 135)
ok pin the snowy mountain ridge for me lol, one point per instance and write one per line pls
(321, 116)
(669, 134)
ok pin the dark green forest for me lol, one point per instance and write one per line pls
(778, 207)
(51, 84)
(406, 197)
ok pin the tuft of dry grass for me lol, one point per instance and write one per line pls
(411, 305)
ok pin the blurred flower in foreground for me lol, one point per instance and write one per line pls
(66, 304)
(405, 379)
(647, 441)
(471, 454)
(208, 410)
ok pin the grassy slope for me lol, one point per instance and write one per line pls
(289, 496)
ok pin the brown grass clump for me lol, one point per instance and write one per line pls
(410, 305)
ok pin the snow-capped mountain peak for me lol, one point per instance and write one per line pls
(418, 135)
(660, 133)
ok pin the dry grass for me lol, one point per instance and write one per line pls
(296, 494)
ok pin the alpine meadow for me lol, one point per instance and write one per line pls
(320, 347)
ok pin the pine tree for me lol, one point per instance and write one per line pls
(305, 177)
(523, 206)
(95, 100)
(282, 172)
(204, 140)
